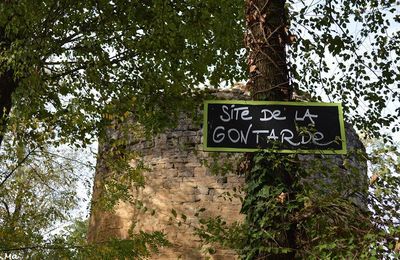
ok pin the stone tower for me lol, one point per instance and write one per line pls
(181, 179)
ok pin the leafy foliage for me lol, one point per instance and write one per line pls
(72, 245)
(347, 51)
(73, 67)
(384, 196)
(71, 59)
(344, 53)
(292, 211)
(38, 195)
(72, 64)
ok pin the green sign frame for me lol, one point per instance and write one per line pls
(285, 103)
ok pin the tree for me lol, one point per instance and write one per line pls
(347, 52)
(275, 230)
(266, 39)
(39, 198)
(63, 62)
(36, 198)
(64, 65)
(288, 217)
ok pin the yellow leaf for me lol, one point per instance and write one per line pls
(397, 247)
(373, 179)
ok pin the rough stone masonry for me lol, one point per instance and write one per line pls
(181, 178)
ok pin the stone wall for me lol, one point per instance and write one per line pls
(180, 178)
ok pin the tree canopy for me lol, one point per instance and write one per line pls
(348, 51)
(66, 66)
(64, 61)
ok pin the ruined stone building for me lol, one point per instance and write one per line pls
(181, 178)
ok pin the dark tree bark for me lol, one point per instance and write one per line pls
(266, 39)
(8, 86)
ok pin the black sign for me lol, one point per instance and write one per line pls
(286, 127)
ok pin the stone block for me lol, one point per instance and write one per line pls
(170, 173)
(189, 133)
(200, 171)
(203, 190)
(186, 173)
(170, 184)
(193, 164)
(188, 189)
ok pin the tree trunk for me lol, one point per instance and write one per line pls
(266, 38)
(8, 86)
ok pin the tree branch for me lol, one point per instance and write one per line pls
(8, 175)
